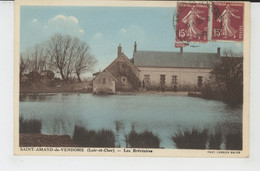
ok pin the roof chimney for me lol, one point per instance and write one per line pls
(218, 53)
(181, 49)
(119, 50)
(135, 46)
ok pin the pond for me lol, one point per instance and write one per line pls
(164, 115)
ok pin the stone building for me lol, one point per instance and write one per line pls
(156, 70)
(120, 75)
(166, 70)
(104, 83)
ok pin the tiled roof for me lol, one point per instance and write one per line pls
(175, 59)
(108, 73)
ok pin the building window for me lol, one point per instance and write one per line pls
(146, 81)
(162, 79)
(147, 78)
(104, 80)
(200, 80)
(174, 79)
(124, 79)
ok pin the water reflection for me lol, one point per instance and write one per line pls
(33, 97)
(119, 133)
(22, 98)
(36, 97)
(42, 97)
(163, 115)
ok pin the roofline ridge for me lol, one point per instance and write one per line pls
(105, 70)
(175, 52)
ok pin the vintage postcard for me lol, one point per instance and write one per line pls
(132, 78)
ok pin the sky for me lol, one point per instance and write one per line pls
(104, 28)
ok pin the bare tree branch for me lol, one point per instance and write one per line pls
(36, 58)
(70, 55)
(84, 62)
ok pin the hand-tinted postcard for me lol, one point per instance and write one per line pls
(132, 78)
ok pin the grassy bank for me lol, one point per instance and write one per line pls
(232, 95)
(234, 141)
(29, 125)
(91, 138)
(201, 139)
(58, 87)
(144, 139)
(194, 139)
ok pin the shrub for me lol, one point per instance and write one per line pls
(207, 91)
(193, 139)
(212, 91)
(234, 141)
(215, 140)
(91, 138)
(234, 95)
(34, 77)
(145, 139)
(105, 138)
(29, 125)
(51, 83)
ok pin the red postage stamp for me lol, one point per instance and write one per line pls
(192, 22)
(227, 21)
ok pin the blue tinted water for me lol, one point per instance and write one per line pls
(162, 114)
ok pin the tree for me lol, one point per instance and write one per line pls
(34, 77)
(58, 47)
(227, 80)
(23, 66)
(229, 76)
(36, 58)
(231, 53)
(84, 61)
(69, 55)
(72, 52)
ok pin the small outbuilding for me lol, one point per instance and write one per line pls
(104, 83)
(120, 75)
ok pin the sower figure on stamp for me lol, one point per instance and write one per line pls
(190, 19)
(225, 17)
